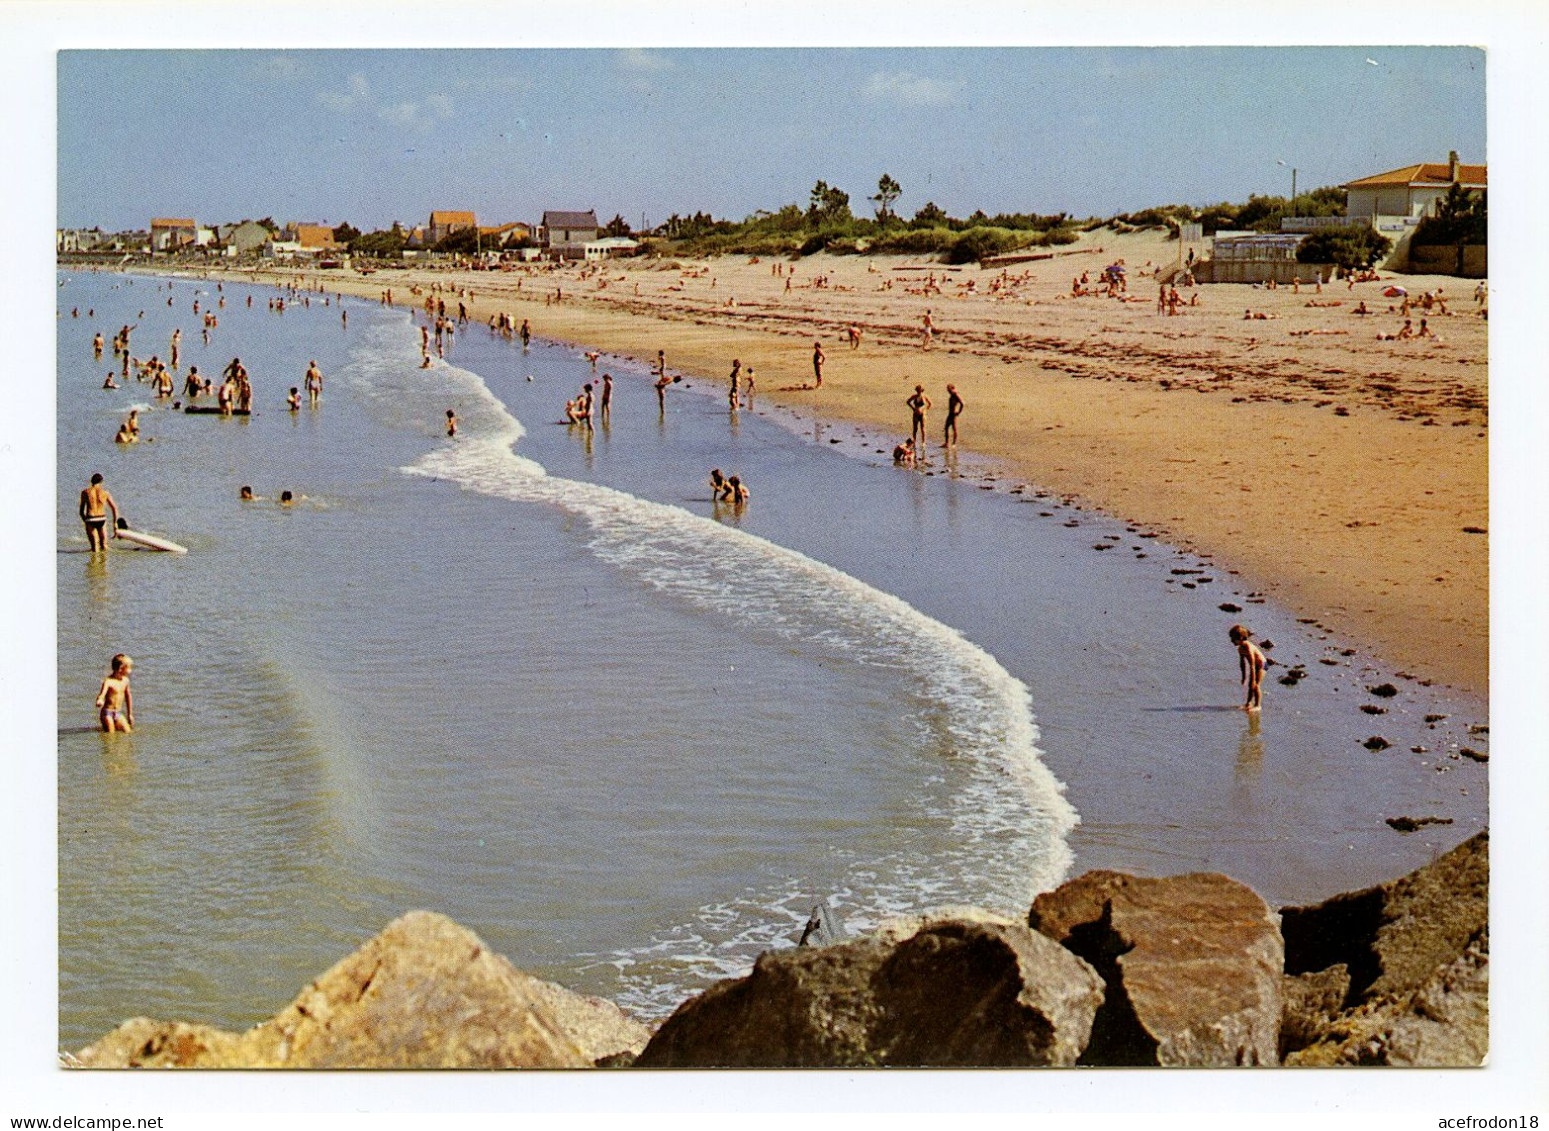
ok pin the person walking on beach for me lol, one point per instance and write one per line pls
(928, 330)
(1250, 664)
(919, 405)
(818, 358)
(96, 502)
(734, 397)
(115, 703)
(954, 410)
(526, 334)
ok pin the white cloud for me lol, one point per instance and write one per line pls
(405, 114)
(408, 114)
(358, 95)
(912, 90)
(638, 60)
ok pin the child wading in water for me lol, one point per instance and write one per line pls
(1250, 663)
(115, 706)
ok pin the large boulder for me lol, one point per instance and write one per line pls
(960, 991)
(1193, 966)
(1442, 1023)
(425, 993)
(1404, 968)
(1394, 936)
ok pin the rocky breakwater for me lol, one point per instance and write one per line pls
(1109, 969)
(425, 993)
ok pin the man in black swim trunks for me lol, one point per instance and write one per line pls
(95, 504)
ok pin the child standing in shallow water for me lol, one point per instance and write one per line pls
(115, 705)
(1250, 664)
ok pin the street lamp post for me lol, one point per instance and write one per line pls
(1283, 165)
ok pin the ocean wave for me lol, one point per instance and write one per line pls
(1010, 817)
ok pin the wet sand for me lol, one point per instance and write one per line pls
(1343, 475)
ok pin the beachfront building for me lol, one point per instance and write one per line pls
(611, 247)
(566, 234)
(1396, 201)
(1257, 257)
(245, 238)
(1411, 192)
(502, 234)
(281, 249)
(314, 239)
(170, 235)
(78, 239)
(443, 224)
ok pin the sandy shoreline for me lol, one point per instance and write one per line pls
(1336, 472)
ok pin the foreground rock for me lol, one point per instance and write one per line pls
(425, 993)
(960, 991)
(1402, 969)
(1193, 966)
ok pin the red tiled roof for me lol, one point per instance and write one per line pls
(1421, 175)
(448, 218)
(315, 235)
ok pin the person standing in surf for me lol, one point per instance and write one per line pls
(606, 403)
(314, 382)
(526, 334)
(1250, 665)
(96, 502)
(115, 703)
(818, 357)
(919, 405)
(954, 410)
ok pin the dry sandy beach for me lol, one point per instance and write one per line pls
(1342, 474)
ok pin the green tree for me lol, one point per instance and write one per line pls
(464, 241)
(1355, 245)
(888, 192)
(346, 233)
(387, 244)
(931, 216)
(829, 206)
(1462, 217)
(618, 226)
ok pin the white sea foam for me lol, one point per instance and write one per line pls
(1010, 819)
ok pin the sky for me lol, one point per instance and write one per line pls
(371, 137)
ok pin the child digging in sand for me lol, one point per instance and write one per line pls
(1250, 664)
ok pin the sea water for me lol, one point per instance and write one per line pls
(533, 677)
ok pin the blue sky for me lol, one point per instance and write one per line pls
(374, 136)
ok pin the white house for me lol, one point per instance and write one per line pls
(567, 233)
(1411, 192)
(610, 247)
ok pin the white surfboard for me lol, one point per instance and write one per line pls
(150, 541)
